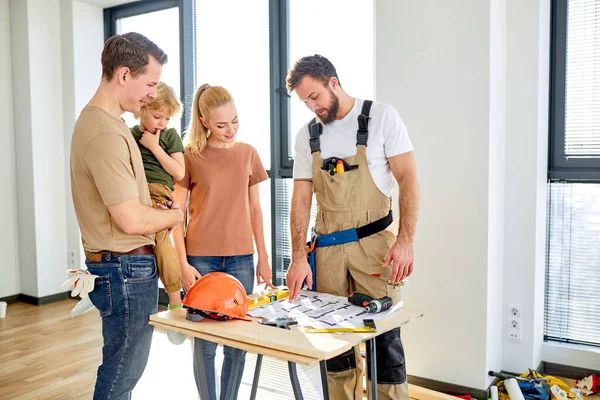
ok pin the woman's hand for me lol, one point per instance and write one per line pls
(189, 275)
(264, 274)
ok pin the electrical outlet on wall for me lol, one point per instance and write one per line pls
(514, 311)
(514, 336)
(513, 323)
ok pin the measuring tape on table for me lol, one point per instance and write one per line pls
(338, 330)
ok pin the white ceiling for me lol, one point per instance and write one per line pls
(105, 3)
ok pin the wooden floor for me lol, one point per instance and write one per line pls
(45, 354)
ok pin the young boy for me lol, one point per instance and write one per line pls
(162, 154)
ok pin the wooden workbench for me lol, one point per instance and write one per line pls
(293, 346)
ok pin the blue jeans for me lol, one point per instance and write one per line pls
(125, 293)
(242, 267)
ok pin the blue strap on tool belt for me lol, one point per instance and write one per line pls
(343, 237)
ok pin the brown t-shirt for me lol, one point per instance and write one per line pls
(219, 206)
(106, 169)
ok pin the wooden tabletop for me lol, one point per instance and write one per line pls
(287, 345)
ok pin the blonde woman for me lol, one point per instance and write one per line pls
(224, 213)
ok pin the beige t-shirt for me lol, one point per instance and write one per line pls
(219, 205)
(106, 169)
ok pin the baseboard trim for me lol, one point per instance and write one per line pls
(448, 388)
(36, 301)
(565, 371)
(10, 299)
(40, 301)
(163, 298)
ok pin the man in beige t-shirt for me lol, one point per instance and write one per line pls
(115, 213)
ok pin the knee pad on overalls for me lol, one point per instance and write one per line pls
(343, 362)
(391, 367)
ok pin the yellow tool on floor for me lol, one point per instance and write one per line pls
(258, 299)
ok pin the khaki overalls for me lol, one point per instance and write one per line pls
(351, 200)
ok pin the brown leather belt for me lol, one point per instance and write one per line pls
(98, 256)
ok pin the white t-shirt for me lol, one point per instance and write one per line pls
(388, 137)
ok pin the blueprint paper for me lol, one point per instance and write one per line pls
(319, 310)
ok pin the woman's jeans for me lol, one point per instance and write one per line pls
(242, 267)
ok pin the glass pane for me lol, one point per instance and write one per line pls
(162, 27)
(573, 263)
(238, 62)
(355, 70)
(352, 56)
(582, 103)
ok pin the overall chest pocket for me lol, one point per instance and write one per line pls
(340, 189)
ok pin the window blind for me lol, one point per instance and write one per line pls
(572, 307)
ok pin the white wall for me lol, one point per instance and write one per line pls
(497, 183)
(9, 246)
(433, 64)
(82, 35)
(471, 80)
(88, 33)
(526, 171)
(49, 158)
(56, 47)
(22, 116)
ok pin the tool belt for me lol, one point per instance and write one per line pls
(343, 237)
(99, 256)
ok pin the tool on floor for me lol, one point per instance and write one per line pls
(283, 323)
(504, 375)
(269, 297)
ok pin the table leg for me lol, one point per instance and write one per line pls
(199, 370)
(294, 380)
(324, 384)
(233, 377)
(373, 362)
(259, 358)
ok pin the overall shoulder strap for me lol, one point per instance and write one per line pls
(315, 129)
(362, 135)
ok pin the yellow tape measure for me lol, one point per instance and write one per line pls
(338, 330)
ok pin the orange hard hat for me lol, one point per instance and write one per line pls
(218, 296)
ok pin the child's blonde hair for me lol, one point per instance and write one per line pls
(165, 98)
(206, 98)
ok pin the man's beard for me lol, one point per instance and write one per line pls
(332, 110)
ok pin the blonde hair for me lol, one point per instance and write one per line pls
(165, 98)
(206, 98)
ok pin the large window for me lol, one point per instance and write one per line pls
(573, 247)
(351, 52)
(248, 47)
(161, 25)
